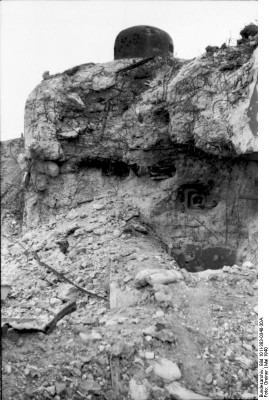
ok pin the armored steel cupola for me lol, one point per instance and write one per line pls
(142, 41)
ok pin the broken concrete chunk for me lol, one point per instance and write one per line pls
(4, 291)
(245, 362)
(68, 134)
(91, 336)
(88, 386)
(60, 387)
(149, 355)
(98, 206)
(248, 396)
(119, 348)
(138, 392)
(247, 264)
(167, 370)
(156, 276)
(209, 379)
(67, 292)
(74, 101)
(54, 302)
(51, 169)
(25, 323)
(138, 227)
(180, 393)
(160, 332)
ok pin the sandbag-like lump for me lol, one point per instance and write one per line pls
(156, 276)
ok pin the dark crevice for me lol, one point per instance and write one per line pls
(195, 258)
(162, 115)
(108, 166)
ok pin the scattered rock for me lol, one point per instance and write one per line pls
(92, 336)
(8, 369)
(248, 396)
(160, 332)
(209, 379)
(156, 276)
(51, 390)
(139, 228)
(89, 386)
(180, 393)
(166, 369)
(159, 314)
(247, 264)
(60, 388)
(245, 362)
(55, 302)
(149, 355)
(137, 391)
(67, 292)
(98, 206)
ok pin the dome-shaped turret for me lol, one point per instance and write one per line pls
(142, 41)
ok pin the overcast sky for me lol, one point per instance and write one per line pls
(56, 35)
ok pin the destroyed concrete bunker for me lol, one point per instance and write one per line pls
(176, 138)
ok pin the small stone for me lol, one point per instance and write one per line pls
(51, 169)
(98, 206)
(67, 292)
(229, 354)
(159, 314)
(141, 353)
(116, 233)
(51, 390)
(8, 369)
(60, 387)
(178, 392)
(101, 311)
(79, 232)
(85, 336)
(76, 371)
(247, 264)
(158, 393)
(247, 346)
(138, 392)
(248, 396)
(89, 385)
(166, 370)
(54, 302)
(96, 335)
(149, 369)
(245, 362)
(209, 378)
(149, 355)
(127, 278)
(221, 382)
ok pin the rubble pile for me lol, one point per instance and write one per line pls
(155, 335)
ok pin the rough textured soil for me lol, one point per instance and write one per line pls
(205, 322)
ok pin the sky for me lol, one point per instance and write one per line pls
(56, 35)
